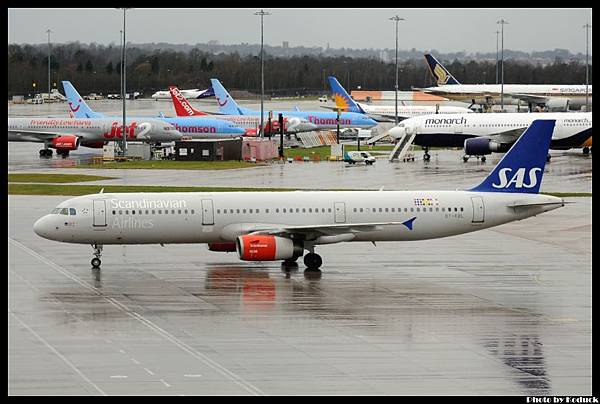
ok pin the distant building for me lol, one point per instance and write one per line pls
(383, 55)
(213, 42)
(286, 44)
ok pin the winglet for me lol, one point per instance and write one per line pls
(409, 223)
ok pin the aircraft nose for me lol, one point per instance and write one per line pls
(396, 132)
(43, 227)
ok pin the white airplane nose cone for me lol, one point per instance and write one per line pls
(41, 227)
(396, 132)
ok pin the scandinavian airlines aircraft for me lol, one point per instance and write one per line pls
(554, 97)
(482, 134)
(273, 226)
(193, 93)
(251, 123)
(323, 120)
(66, 134)
(386, 113)
(194, 128)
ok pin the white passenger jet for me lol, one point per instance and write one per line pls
(192, 93)
(481, 134)
(66, 134)
(552, 97)
(272, 226)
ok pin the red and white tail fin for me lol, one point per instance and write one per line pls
(182, 106)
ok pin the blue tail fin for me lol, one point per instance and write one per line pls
(342, 98)
(227, 104)
(522, 167)
(441, 75)
(78, 108)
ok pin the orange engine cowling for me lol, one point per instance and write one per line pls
(267, 248)
(227, 246)
(67, 142)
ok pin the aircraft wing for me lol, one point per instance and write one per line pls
(534, 99)
(33, 135)
(315, 231)
(509, 136)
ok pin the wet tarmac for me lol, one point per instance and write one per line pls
(503, 311)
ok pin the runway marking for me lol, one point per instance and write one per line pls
(61, 356)
(118, 377)
(149, 371)
(192, 375)
(24, 280)
(165, 383)
(135, 361)
(249, 387)
(122, 350)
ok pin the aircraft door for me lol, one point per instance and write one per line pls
(208, 217)
(478, 209)
(340, 212)
(99, 213)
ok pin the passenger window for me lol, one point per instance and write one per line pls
(387, 210)
(72, 212)
(120, 212)
(185, 211)
(323, 210)
(160, 211)
(354, 210)
(153, 212)
(418, 209)
(461, 209)
(406, 209)
(443, 209)
(437, 209)
(412, 209)
(276, 210)
(192, 211)
(146, 211)
(431, 209)
(303, 210)
(219, 211)
(250, 210)
(166, 211)
(257, 210)
(297, 210)
(456, 209)
(283, 210)
(133, 212)
(243, 210)
(266, 210)
(237, 211)
(179, 211)
(127, 211)
(114, 212)
(393, 210)
(309, 210)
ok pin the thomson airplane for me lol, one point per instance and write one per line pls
(193, 93)
(250, 123)
(386, 113)
(66, 134)
(481, 134)
(195, 127)
(323, 120)
(554, 97)
(273, 226)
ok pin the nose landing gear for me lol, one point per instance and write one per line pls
(97, 254)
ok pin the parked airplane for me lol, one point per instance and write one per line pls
(66, 134)
(271, 226)
(386, 113)
(482, 134)
(323, 120)
(553, 97)
(251, 123)
(195, 128)
(193, 93)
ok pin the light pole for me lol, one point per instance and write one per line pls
(48, 31)
(497, 32)
(587, 65)
(262, 71)
(396, 18)
(502, 22)
(124, 85)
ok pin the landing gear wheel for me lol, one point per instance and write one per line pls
(96, 262)
(483, 159)
(465, 158)
(548, 157)
(312, 261)
(426, 157)
(586, 150)
(45, 153)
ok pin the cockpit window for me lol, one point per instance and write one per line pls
(55, 211)
(72, 212)
(400, 125)
(64, 211)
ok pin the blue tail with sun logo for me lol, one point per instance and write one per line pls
(522, 167)
(226, 103)
(342, 98)
(441, 75)
(78, 108)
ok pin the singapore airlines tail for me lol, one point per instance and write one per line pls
(439, 72)
(227, 104)
(522, 168)
(181, 104)
(78, 108)
(342, 98)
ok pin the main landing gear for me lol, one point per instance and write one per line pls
(312, 261)
(586, 150)
(466, 158)
(46, 153)
(548, 157)
(63, 153)
(97, 254)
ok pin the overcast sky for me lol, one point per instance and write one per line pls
(447, 30)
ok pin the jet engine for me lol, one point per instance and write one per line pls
(66, 142)
(267, 248)
(480, 146)
(558, 104)
(94, 145)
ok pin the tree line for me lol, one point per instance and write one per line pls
(96, 68)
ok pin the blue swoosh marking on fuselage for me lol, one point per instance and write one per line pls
(409, 223)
